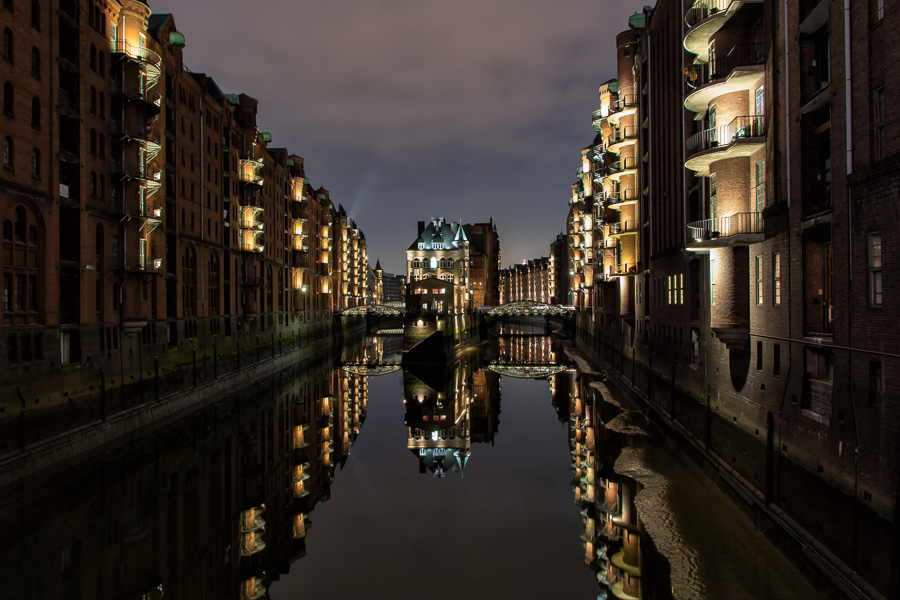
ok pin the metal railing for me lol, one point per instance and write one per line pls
(723, 63)
(736, 224)
(743, 127)
(630, 226)
(626, 195)
(703, 9)
(626, 101)
(136, 52)
(625, 133)
(626, 164)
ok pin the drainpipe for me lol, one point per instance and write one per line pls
(202, 186)
(787, 133)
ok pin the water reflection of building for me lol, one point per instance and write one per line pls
(612, 529)
(215, 506)
(447, 408)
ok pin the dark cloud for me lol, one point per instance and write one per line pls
(406, 109)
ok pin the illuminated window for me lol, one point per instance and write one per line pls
(712, 281)
(760, 185)
(776, 278)
(759, 280)
(876, 297)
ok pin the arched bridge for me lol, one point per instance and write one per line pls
(394, 309)
(371, 369)
(526, 370)
(530, 308)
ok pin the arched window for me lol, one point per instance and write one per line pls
(8, 152)
(101, 106)
(449, 263)
(415, 263)
(21, 268)
(92, 99)
(443, 264)
(8, 45)
(9, 99)
(93, 184)
(36, 163)
(102, 146)
(434, 262)
(101, 190)
(36, 112)
(93, 57)
(101, 63)
(93, 141)
(35, 63)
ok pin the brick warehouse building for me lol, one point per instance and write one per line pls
(484, 263)
(760, 318)
(146, 219)
(530, 280)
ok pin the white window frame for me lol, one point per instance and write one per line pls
(776, 278)
(760, 292)
(760, 185)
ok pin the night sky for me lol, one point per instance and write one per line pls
(408, 109)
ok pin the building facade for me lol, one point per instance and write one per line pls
(528, 281)
(144, 213)
(735, 234)
(437, 268)
(484, 263)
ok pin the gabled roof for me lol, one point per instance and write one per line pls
(439, 231)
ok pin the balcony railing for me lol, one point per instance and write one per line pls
(622, 196)
(623, 227)
(623, 135)
(703, 9)
(628, 163)
(740, 55)
(624, 102)
(739, 128)
(725, 227)
(149, 60)
(139, 53)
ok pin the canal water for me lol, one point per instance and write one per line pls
(351, 477)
